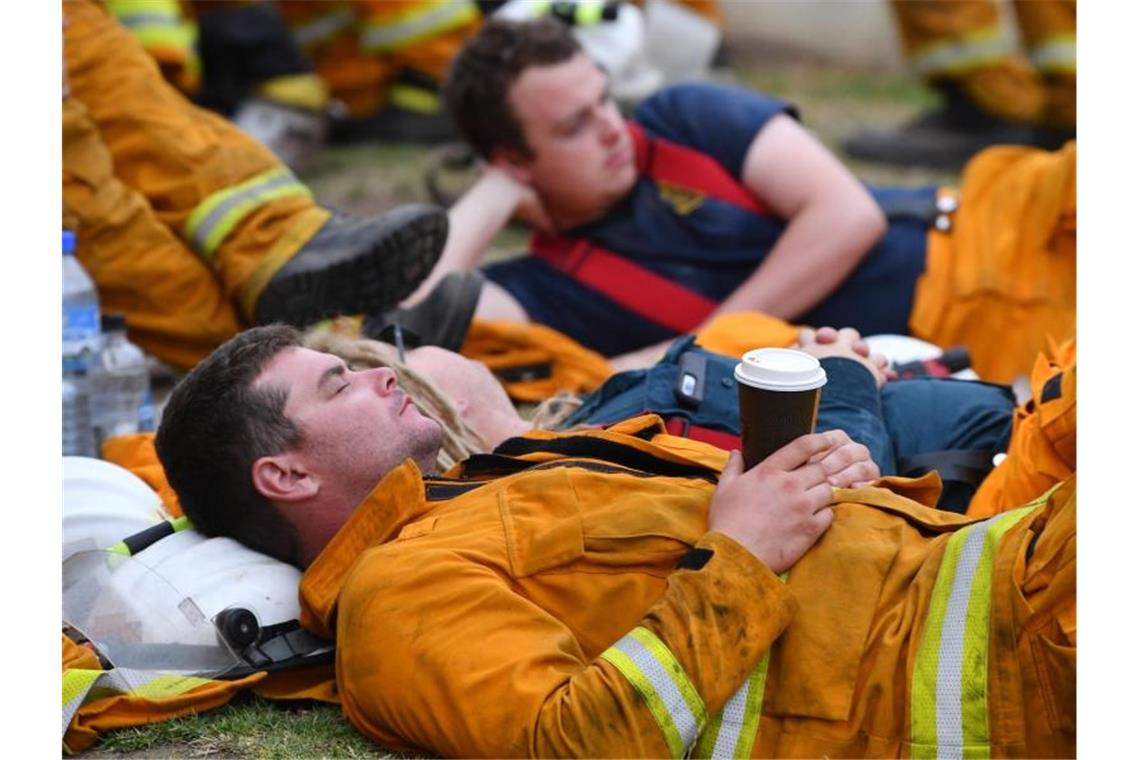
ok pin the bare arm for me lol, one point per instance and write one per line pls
(832, 222)
(473, 222)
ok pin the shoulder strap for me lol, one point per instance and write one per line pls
(679, 426)
(681, 166)
(969, 466)
(641, 290)
(638, 289)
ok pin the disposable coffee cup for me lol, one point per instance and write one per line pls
(779, 398)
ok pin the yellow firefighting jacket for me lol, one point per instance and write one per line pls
(563, 596)
(1002, 279)
(1043, 444)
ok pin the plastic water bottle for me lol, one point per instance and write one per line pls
(80, 343)
(120, 384)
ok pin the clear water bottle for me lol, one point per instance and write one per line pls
(120, 384)
(80, 343)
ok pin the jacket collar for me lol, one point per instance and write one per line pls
(397, 500)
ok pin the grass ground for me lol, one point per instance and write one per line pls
(832, 101)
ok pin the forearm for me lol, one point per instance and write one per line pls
(714, 624)
(852, 402)
(819, 249)
(472, 223)
(537, 693)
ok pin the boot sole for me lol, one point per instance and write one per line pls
(363, 281)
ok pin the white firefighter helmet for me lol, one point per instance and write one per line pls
(188, 604)
(102, 503)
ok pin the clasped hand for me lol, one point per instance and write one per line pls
(779, 508)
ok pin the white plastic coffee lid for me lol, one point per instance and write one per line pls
(780, 369)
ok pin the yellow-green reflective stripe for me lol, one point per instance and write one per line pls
(81, 685)
(416, 99)
(962, 54)
(323, 28)
(587, 12)
(132, 20)
(676, 673)
(732, 732)
(163, 7)
(669, 694)
(76, 683)
(155, 22)
(540, 7)
(401, 30)
(584, 12)
(172, 36)
(216, 217)
(168, 10)
(628, 668)
(1057, 54)
(949, 713)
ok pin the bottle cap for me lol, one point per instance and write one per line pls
(780, 369)
(113, 322)
(68, 242)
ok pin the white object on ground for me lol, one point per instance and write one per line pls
(679, 42)
(904, 348)
(295, 135)
(158, 609)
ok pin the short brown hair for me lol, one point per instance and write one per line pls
(216, 424)
(479, 80)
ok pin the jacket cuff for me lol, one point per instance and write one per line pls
(720, 619)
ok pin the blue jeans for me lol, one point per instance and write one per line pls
(905, 419)
(917, 416)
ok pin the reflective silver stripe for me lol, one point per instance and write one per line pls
(1057, 55)
(688, 725)
(732, 722)
(135, 20)
(323, 27)
(662, 685)
(447, 15)
(148, 684)
(949, 708)
(961, 55)
(203, 230)
(948, 692)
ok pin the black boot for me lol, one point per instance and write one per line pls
(947, 137)
(441, 319)
(355, 266)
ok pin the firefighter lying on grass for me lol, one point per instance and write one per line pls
(623, 591)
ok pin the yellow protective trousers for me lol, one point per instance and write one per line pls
(168, 33)
(359, 47)
(965, 41)
(1002, 280)
(180, 217)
